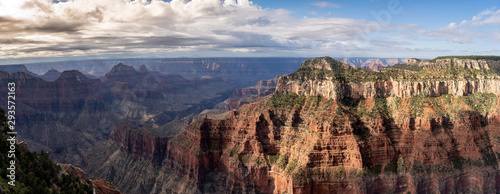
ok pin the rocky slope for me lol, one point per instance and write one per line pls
(71, 115)
(16, 68)
(370, 64)
(367, 139)
(51, 75)
(35, 173)
(246, 95)
(347, 82)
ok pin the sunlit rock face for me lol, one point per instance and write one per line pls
(387, 132)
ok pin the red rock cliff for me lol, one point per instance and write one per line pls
(311, 143)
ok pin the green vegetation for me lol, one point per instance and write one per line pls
(447, 98)
(291, 166)
(345, 74)
(417, 167)
(480, 102)
(334, 64)
(458, 162)
(245, 158)
(350, 103)
(372, 170)
(235, 150)
(380, 107)
(273, 159)
(35, 172)
(394, 105)
(473, 57)
(336, 71)
(490, 158)
(437, 107)
(416, 105)
(339, 172)
(392, 167)
(282, 161)
(288, 101)
(405, 66)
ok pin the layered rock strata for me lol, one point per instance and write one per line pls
(333, 88)
(368, 138)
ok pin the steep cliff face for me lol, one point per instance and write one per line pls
(64, 117)
(391, 88)
(247, 95)
(308, 145)
(444, 63)
(35, 172)
(262, 88)
(334, 81)
(71, 115)
(386, 139)
(311, 144)
(141, 142)
(138, 160)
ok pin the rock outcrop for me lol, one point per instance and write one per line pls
(74, 113)
(335, 88)
(51, 75)
(247, 95)
(104, 187)
(384, 89)
(328, 128)
(375, 138)
(370, 64)
(444, 63)
(319, 145)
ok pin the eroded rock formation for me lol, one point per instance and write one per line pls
(325, 135)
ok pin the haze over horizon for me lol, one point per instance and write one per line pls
(53, 30)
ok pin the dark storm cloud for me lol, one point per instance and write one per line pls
(173, 41)
(19, 41)
(56, 27)
(58, 48)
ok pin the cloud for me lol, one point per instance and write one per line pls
(389, 43)
(452, 33)
(469, 30)
(94, 27)
(489, 17)
(325, 4)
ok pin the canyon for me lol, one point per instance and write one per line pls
(327, 128)
(71, 115)
(416, 126)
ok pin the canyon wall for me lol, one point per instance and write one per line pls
(397, 86)
(324, 136)
(383, 89)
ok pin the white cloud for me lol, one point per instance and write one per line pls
(452, 33)
(94, 27)
(487, 17)
(325, 4)
(468, 30)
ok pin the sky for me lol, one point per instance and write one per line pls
(53, 30)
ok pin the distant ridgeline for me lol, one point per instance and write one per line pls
(458, 76)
